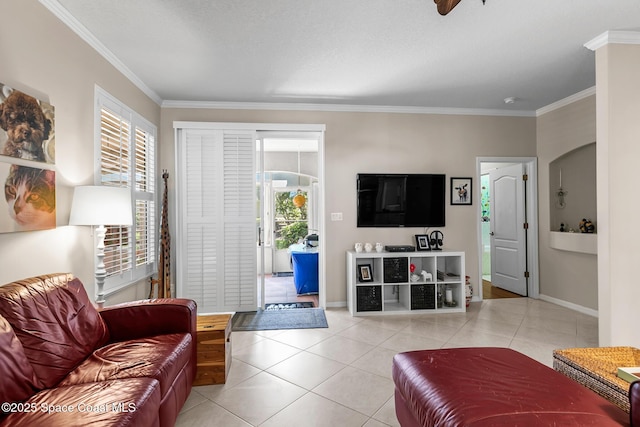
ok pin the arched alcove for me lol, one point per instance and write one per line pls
(572, 192)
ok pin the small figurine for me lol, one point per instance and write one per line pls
(586, 226)
(562, 227)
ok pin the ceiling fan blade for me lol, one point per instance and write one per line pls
(445, 6)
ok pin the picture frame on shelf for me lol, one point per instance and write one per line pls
(422, 242)
(461, 191)
(364, 273)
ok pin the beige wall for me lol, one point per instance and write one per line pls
(565, 276)
(44, 58)
(378, 142)
(618, 151)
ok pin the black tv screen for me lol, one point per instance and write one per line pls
(401, 200)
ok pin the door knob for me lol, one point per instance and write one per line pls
(492, 234)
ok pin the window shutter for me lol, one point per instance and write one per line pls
(217, 210)
(114, 171)
(127, 159)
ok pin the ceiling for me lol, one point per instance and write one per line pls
(360, 54)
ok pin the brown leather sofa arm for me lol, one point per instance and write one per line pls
(634, 401)
(144, 318)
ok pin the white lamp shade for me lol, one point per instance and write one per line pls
(101, 205)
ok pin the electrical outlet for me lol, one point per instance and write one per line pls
(336, 216)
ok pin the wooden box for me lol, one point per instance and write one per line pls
(214, 349)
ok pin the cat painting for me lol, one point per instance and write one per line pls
(31, 199)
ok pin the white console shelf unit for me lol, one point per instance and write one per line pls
(391, 289)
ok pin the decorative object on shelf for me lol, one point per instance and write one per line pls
(379, 247)
(422, 242)
(560, 195)
(448, 296)
(358, 247)
(368, 247)
(414, 277)
(562, 229)
(164, 263)
(461, 191)
(440, 296)
(468, 293)
(364, 273)
(412, 267)
(98, 206)
(436, 240)
(427, 277)
(586, 226)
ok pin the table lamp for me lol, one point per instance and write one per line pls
(99, 206)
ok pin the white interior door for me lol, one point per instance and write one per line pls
(508, 232)
(216, 262)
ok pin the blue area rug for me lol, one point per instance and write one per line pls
(263, 320)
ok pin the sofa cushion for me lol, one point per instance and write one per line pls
(161, 357)
(487, 386)
(129, 402)
(17, 379)
(56, 323)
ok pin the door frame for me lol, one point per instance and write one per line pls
(531, 211)
(278, 127)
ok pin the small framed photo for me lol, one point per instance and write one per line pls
(461, 191)
(422, 242)
(364, 273)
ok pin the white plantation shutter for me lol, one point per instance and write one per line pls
(126, 158)
(216, 199)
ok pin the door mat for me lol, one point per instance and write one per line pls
(263, 320)
(288, 305)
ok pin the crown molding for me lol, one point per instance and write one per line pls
(566, 101)
(613, 37)
(343, 108)
(63, 15)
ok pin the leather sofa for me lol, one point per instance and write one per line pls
(490, 386)
(64, 363)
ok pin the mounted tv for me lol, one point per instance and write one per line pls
(401, 200)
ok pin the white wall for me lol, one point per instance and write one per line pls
(618, 151)
(44, 58)
(379, 142)
(564, 276)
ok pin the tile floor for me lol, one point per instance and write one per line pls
(341, 375)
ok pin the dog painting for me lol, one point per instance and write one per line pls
(28, 126)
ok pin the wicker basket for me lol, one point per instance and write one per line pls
(597, 369)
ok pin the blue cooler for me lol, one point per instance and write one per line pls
(305, 270)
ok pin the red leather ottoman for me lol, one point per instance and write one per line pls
(489, 386)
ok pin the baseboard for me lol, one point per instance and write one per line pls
(338, 304)
(569, 305)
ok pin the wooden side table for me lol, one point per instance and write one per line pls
(597, 369)
(214, 349)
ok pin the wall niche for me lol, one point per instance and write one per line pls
(572, 191)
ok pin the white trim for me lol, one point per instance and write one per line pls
(566, 101)
(613, 37)
(344, 108)
(284, 127)
(570, 305)
(531, 188)
(63, 15)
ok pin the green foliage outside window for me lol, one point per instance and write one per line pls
(291, 222)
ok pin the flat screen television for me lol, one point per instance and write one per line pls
(401, 200)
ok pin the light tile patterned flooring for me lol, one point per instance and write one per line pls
(341, 375)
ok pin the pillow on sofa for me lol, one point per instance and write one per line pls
(55, 322)
(18, 378)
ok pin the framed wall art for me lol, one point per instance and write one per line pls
(29, 201)
(461, 191)
(422, 242)
(27, 126)
(364, 273)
